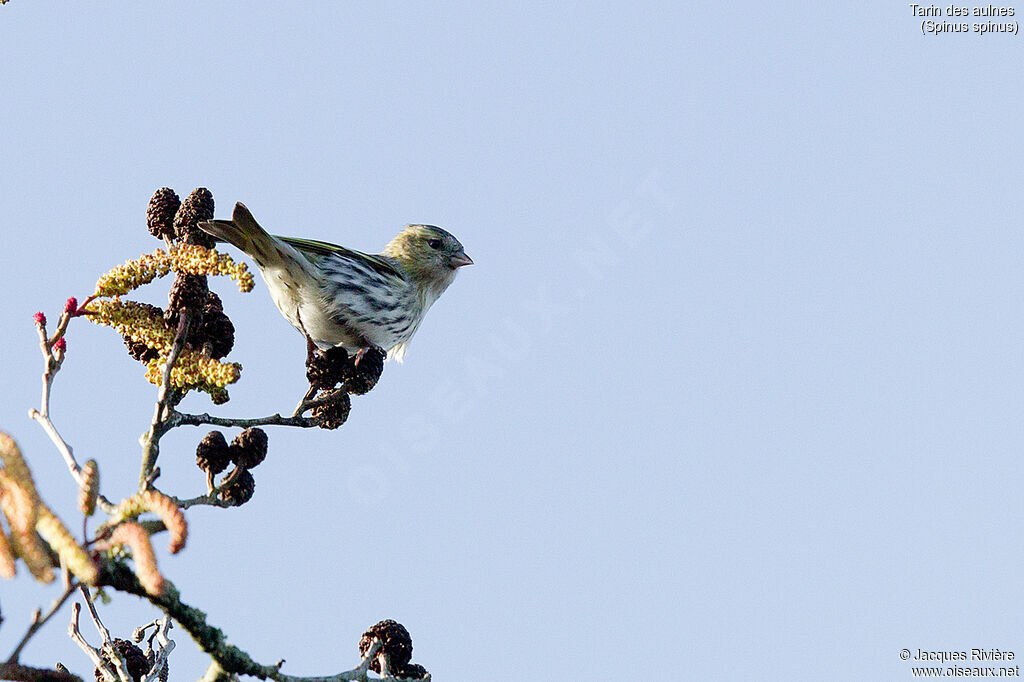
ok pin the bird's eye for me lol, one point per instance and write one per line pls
(434, 243)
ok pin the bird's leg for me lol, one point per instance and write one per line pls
(311, 357)
(310, 349)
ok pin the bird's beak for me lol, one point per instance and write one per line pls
(460, 259)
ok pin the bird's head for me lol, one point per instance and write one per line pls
(428, 252)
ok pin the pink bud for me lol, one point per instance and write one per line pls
(39, 318)
(71, 307)
(61, 345)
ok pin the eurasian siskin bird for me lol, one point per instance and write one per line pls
(340, 297)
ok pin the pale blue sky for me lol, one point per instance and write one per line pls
(733, 391)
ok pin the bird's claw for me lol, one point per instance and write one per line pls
(361, 352)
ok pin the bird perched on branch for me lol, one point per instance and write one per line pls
(340, 297)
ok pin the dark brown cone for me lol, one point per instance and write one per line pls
(212, 453)
(133, 656)
(395, 640)
(211, 327)
(410, 671)
(139, 350)
(197, 207)
(188, 292)
(218, 331)
(213, 303)
(241, 489)
(363, 377)
(335, 411)
(249, 448)
(160, 213)
(327, 369)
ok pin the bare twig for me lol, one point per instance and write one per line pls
(52, 361)
(51, 365)
(94, 654)
(65, 318)
(39, 620)
(159, 659)
(212, 497)
(114, 656)
(306, 402)
(62, 447)
(357, 674)
(208, 500)
(176, 418)
(100, 627)
(151, 439)
(182, 419)
(140, 632)
(50, 368)
(69, 458)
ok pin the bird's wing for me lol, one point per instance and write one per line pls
(311, 248)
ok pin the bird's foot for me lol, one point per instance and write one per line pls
(363, 351)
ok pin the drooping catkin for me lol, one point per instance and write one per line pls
(89, 491)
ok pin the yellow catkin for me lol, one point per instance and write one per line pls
(8, 569)
(163, 506)
(135, 537)
(192, 370)
(90, 489)
(133, 274)
(75, 557)
(22, 512)
(187, 258)
(27, 515)
(192, 259)
(172, 516)
(129, 508)
(136, 321)
(15, 465)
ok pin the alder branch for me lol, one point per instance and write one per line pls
(307, 401)
(120, 665)
(94, 654)
(208, 500)
(51, 365)
(24, 673)
(175, 418)
(228, 658)
(182, 419)
(159, 426)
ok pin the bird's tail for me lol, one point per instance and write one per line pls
(244, 232)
